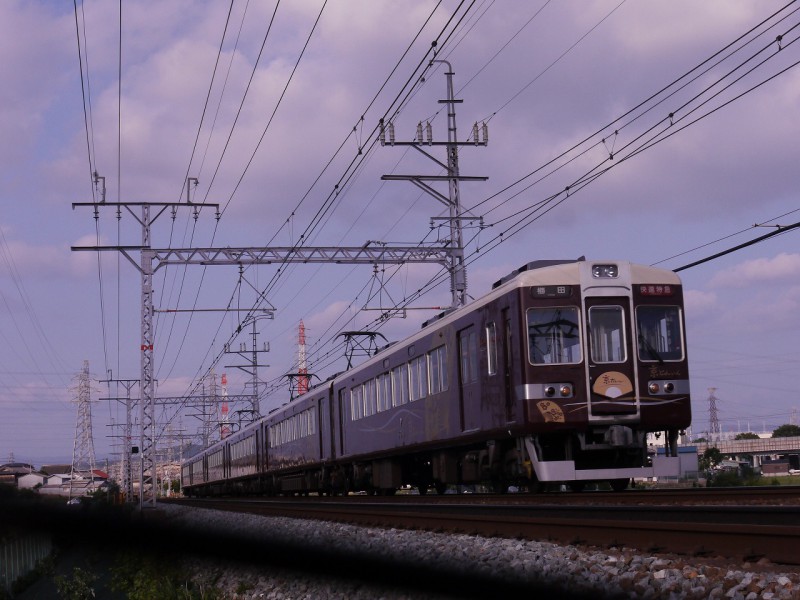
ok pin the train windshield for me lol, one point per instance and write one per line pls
(607, 333)
(659, 333)
(554, 335)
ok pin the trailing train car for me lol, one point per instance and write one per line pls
(555, 376)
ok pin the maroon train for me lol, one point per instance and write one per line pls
(556, 376)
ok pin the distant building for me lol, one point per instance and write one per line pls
(31, 480)
(11, 472)
(775, 467)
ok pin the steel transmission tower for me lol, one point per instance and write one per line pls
(713, 418)
(83, 447)
(302, 370)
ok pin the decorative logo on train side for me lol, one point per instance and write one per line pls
(551, 412)
(612, 384)
(658, 372)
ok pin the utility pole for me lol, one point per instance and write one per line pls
(147, 495)
(252, 368)
(127, 432)
(455, 263)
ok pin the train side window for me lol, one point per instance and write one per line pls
(659, 333)
(384, 392)
(607, 334)
(400, 385)
(356, 406)
(554, 335)
(468, 351)
(437, 365)
(369, 398)
(491, 348)
(418, 374)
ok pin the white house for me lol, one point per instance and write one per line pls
(31, 480)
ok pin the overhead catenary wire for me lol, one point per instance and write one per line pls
(332, 196)
(581, 182)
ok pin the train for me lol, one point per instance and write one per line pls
(553, 379)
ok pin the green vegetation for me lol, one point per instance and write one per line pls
(142, 577)
(710, 459)
(77, 587)
(787, 431)
(746, 436)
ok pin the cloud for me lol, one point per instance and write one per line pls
(698, 302)
(24, 258)
(783, 268)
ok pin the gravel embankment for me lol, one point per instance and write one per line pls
(312, 560)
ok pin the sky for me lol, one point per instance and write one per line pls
(659, 132)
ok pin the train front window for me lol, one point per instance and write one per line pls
(554, 335)
(607, 334)
(658, 330)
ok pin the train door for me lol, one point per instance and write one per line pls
(507, 358)
(323, 432)
(341, 396)
(469, 388)
(612, 384)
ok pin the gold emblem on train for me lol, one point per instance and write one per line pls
(612, 384)
(551, 411)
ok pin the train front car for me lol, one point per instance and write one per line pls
(606, 365)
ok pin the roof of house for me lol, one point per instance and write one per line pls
(19, 468)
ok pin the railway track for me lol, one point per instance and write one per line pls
(743, 524)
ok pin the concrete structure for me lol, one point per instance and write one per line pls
(759, 452)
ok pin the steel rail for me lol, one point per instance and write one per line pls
(736, 532)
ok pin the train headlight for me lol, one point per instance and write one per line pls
(549, 391)
(605, 271)
(653, 387)
(565, 391)
(669, 387)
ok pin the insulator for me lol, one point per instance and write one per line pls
(429, 133)
(383, 134)
(485, 128)
(391, 133)
(475, 133)
(419, 132)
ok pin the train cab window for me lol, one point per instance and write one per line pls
(491, 348)
(658, 330)
(607, 334)
(554, 335)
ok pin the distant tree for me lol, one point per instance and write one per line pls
(787, 431)
(710, 459)
(748, 435)
(700, 440)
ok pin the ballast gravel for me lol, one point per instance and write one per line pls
(303, 559)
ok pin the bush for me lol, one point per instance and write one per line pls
(725, 479)
(147, 578)
(77, 587)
